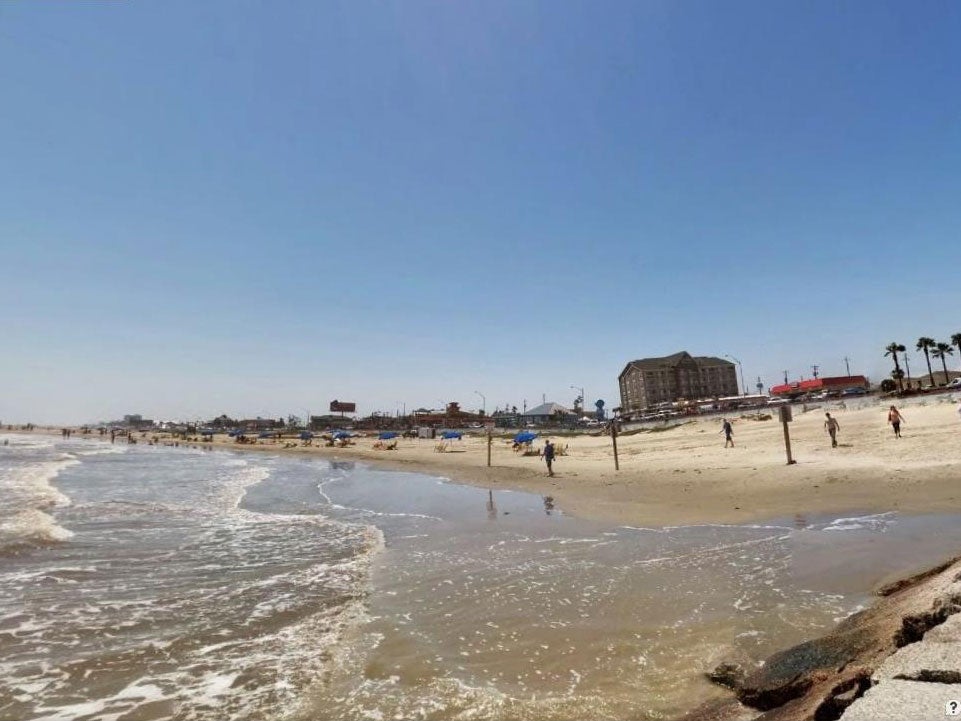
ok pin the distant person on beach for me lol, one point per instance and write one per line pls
(549, 457)
(832, 426)
(895, 419)
(728, 430)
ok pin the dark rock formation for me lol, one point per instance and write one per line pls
(791, 673)
(914, 626)
(730, 675)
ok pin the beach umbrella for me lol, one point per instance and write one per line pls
(235, 432)
(340, 434)
(387, 435)
(525, 437)
(448, 435)
(306, 435)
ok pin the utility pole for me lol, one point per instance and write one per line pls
(815, 369)
(617, 465)
(785, 377)
(787, 417)
(847, 365)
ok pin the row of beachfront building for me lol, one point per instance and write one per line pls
(652, 382)
(645, 384)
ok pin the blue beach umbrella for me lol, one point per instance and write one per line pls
(387, 435)
(448, 435)
(525, 437)
(340, 434)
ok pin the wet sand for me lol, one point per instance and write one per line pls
(683, 474)
(493, 605)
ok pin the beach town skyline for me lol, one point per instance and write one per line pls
(256, 207)
(315, 400)
(249, 208)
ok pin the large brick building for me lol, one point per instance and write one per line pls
(649, 381)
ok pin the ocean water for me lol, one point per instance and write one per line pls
(148, 582)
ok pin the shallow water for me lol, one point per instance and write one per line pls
(509, 610)
(178, 583)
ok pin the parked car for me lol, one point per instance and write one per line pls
(956, 383)
(853, 392)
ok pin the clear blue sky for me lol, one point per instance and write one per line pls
(256, 207)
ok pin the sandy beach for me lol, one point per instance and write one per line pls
(653, 535)
(684, 474)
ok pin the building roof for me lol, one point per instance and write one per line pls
(712, 360)
(813, 384)
(547, 409)
(672, 360)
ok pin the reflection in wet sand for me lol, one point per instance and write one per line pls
(545, 616)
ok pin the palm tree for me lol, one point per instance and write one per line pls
(925, 345)
(942, 351)
(892, 349)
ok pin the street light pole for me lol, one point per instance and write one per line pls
(483, 402)
(583, 397)
(740, 368)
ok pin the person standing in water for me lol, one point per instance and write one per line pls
(832, 426)
(895, 419)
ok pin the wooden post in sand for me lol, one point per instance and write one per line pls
(786, 417)
(617, 466)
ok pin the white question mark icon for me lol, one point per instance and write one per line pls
(952, 708)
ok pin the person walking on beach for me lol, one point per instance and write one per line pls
(895, 419)
(549, 457)
(832, 426)
(728, 430)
